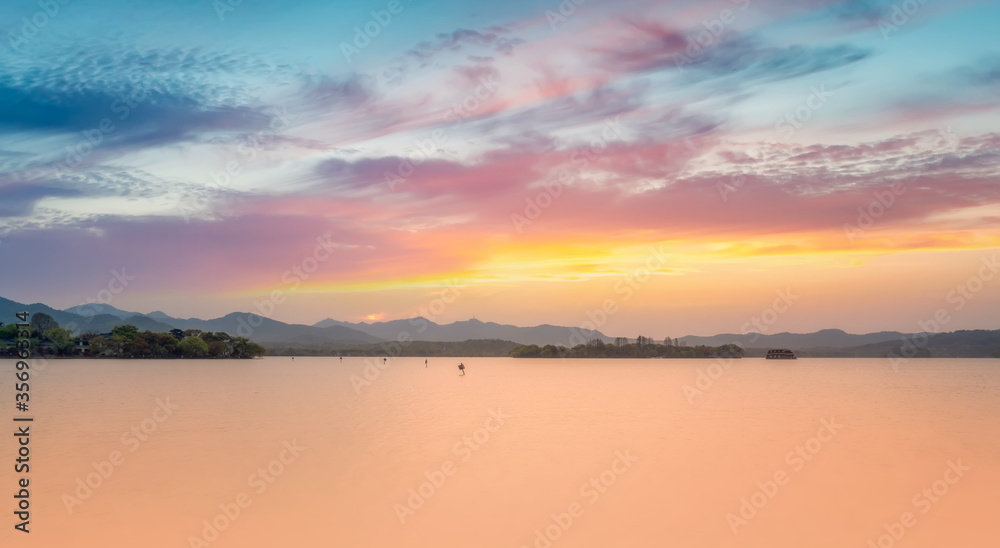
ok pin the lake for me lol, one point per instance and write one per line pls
(538, 453)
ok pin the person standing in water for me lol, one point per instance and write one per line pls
(461, 367)
(425, 363)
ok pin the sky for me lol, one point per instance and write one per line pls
(639, 167)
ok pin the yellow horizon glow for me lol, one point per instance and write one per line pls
(560, 260)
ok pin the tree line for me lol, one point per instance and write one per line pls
(126, 341)
(643, 347)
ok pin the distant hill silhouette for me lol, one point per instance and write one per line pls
(827, 342)
(96, 309)
(267, 330)
(237, 323)
(420, 328)
(99, 323)
(827, 338)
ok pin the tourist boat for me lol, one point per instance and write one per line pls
(780, 354)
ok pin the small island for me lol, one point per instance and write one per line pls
(643, 347)
(126, 341)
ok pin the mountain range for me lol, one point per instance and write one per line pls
(826, 338)
(420, 328)
(101, 318)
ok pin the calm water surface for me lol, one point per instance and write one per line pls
(537, 453)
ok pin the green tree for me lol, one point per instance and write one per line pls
(99, 346)
(162, 344)
(122, 337)
(139, 347)
(193, 347)
(254, 350)
(8, 331)
(241, 347)
(549, 351)
(126, 332)
(42, 322)
(57, 334)
(61, 341)
(217, 349)
(525, 351)
(210, 336)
